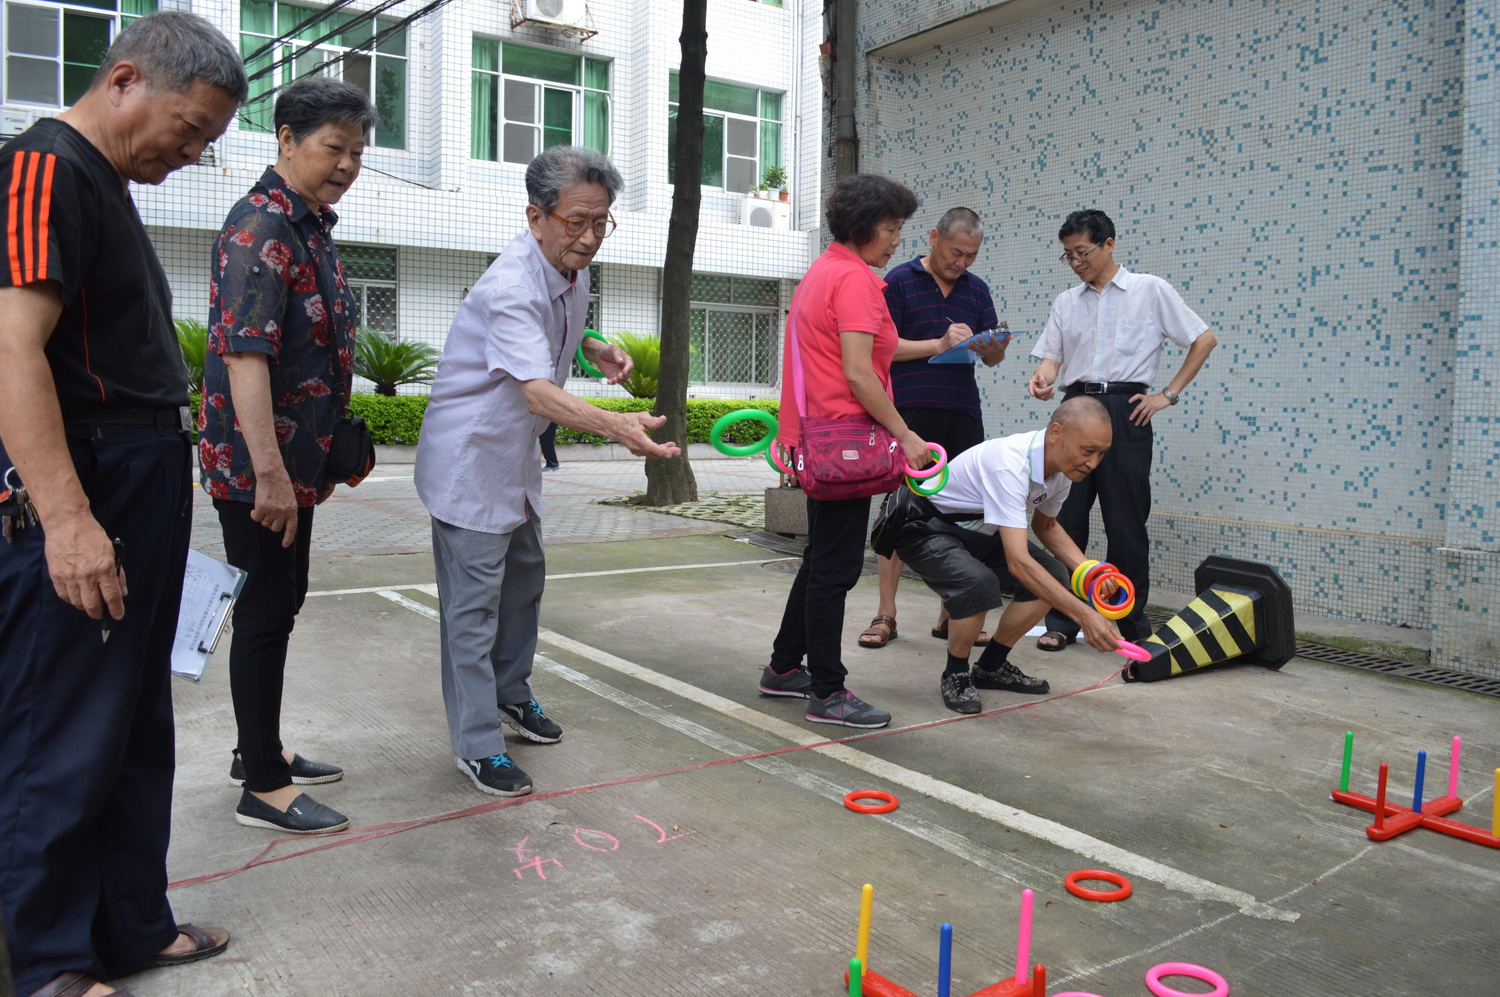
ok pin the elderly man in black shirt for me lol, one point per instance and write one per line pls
(93, 426)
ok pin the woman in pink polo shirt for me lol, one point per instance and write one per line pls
(847, 340)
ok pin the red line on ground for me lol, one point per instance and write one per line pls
(375, 831)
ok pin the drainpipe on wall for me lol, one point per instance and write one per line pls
(846, 138)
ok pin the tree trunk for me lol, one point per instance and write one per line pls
(669, 482)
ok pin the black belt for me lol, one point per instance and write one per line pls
(1105, 388)
(176, 420)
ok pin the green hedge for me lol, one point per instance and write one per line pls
(392, 419)
(398, 420)
(702, 413)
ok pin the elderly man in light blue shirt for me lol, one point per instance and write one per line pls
(498, 387)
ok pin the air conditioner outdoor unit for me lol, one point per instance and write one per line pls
(14, 121)
(569, 13)
(760, 212)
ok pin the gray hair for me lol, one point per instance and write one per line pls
(308, 104)
(565, 165)
(1080, 409)
(959, 221)
(175, 50)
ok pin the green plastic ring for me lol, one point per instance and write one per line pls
(928, 487)
(589, 368)
(716, 434)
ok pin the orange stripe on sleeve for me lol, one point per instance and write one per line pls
(14, 213)
(28, 253)
(44, 219)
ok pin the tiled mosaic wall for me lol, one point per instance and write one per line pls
(1297, 170)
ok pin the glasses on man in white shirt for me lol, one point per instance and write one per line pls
(1070, 259)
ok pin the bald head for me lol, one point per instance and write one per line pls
(1079, 409)
(1078, 437)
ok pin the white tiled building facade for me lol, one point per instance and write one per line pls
(1321, 181)
(467, 94)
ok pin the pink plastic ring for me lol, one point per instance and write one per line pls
(773, 457)
(934, 467)
(1134, 652)
(1199, 973)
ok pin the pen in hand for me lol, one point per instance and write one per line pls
(104, 623)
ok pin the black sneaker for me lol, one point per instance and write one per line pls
(959, 694)
(846, 709)
(305, 816)
(528, 720)
(794, 683)
(1008, 677)
(304, 772)
(496, 775)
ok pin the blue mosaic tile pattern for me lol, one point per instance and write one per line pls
(1298, 171)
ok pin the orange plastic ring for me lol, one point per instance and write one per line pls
(887, 804)
(1071, 882)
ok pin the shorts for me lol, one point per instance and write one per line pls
(967, 569)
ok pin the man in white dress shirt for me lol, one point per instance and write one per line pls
(499, 385)
(1104, 338)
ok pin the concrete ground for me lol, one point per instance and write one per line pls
(687, 836)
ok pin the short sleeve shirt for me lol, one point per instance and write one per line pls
(277, 288)
(1116, 334)
(1004, 482)
(921, 312)
(478, 464)
(69, 219)
(839, 293)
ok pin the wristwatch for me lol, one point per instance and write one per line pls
(1171, 396)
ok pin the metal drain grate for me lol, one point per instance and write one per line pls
(1446, 677)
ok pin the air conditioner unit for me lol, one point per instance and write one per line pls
(760, 212)
(568, 13)
(15, 120)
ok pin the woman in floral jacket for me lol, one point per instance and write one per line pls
(278, 372)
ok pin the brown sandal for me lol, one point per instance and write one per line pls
(72, 985)
(882, 629)
(207, 941)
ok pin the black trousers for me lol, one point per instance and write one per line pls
(275, 587)
(1122, 485)
(548, 442)
(86, 740)
(812, 624)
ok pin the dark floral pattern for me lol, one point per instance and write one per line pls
(273, 263)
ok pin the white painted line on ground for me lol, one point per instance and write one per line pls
(1091, 848)
(431, 589)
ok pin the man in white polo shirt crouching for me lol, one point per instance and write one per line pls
(969, 543)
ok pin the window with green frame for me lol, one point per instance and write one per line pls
(741, 134)
(53, 49)
(381, 73)
(528, 99)
(734, 326)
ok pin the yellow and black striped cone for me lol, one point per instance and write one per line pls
(1243, 612)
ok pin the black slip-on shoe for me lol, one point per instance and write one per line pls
(304, 772)
(305, 816)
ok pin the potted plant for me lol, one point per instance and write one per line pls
(775, 179)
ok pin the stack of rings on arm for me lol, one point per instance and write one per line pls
(929, 480)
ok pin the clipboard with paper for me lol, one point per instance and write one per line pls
(962, 354)
(209, 589)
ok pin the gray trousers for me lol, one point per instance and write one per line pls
(489, 594)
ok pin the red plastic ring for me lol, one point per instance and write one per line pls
(1071, 882)
(887, 804)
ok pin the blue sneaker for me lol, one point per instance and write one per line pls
(528, 720)
(496, 775)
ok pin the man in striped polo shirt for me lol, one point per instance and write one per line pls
(936, 304)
